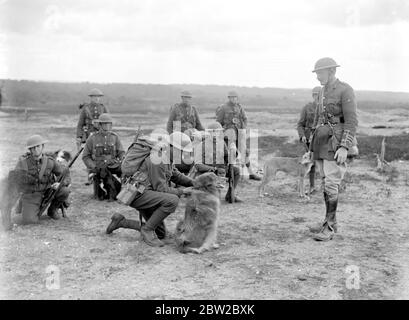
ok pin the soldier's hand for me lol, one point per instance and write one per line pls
(341, 155)
(304, 139)
(55, 185)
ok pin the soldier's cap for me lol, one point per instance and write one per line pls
(104, 118)
(95, 93)
(316, 90)
(232, 94)
(186, 93)
(325, 63)
(35, 140)
(181, 141)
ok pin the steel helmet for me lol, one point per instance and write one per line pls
(325, 63)
(104, 118)
(186, 94)
(95, 92)
(232, 94)
(316, 90)
(181, 141)
(214, 126)
(35, 140)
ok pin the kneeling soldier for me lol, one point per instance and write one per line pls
(102, 155)
(158, 199)
(37, 175)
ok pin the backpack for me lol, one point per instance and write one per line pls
(137, 152)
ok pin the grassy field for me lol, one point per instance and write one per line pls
(266, 248)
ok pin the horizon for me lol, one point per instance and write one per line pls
(188, 84)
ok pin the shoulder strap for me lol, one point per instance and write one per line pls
(43, 167)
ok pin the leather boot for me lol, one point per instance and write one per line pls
(318, 227)
(328, 229)
(119, 221)
(148, 229)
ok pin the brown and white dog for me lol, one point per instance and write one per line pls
(197, 232)
(294, 166)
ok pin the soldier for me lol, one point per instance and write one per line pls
(304, 128)
(232, 117)
(158, 199)
(38, 174)
(102, 155)
(335, 127)
(216, 158)
(89, 112)
(185, 114)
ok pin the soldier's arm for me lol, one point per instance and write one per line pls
(199, 125)
(180, 179)
(87, 154)
(169, 126)
(81, 123)
(301, 123)
(350, 117)
(220, 115)
(157, 175)
(105, 109)
(201, 167)
(120, 149)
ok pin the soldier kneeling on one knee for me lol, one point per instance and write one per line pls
(36, 175)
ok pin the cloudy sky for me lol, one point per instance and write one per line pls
(248, 43)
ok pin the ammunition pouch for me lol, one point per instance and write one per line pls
(131, 187)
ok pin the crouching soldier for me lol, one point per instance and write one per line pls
(102, 155)
(213, 156)
(156, 199)
(37, 174)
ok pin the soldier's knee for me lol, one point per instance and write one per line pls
(171, 203)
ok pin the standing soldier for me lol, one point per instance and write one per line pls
(335, 127)
(38, 174)
(304, 128)
(232, 117)
(89, 112)
(185, 114)
(102, 155)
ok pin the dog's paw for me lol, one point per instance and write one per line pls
(196, 250)
(216, 246)
(305, 197)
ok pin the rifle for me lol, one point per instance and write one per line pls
(232, 156)
(50, 196)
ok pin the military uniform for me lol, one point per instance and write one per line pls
(39, 176)
(214, 160)
(306, 121)
(335, 126)
(89, 113)
(187, 115)
(103, 151)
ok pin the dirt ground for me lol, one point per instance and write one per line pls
(266, 250)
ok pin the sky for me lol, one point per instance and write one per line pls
(260, 43)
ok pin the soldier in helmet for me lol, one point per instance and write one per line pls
(184, 116)
(102, 155)
(38, 174)
(232, 117)
(304, 127)
(158, 199)
(89, 112)
(335, 128)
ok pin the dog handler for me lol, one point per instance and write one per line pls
(335, 126)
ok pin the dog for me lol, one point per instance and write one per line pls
(198, 231)
(292, 166)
